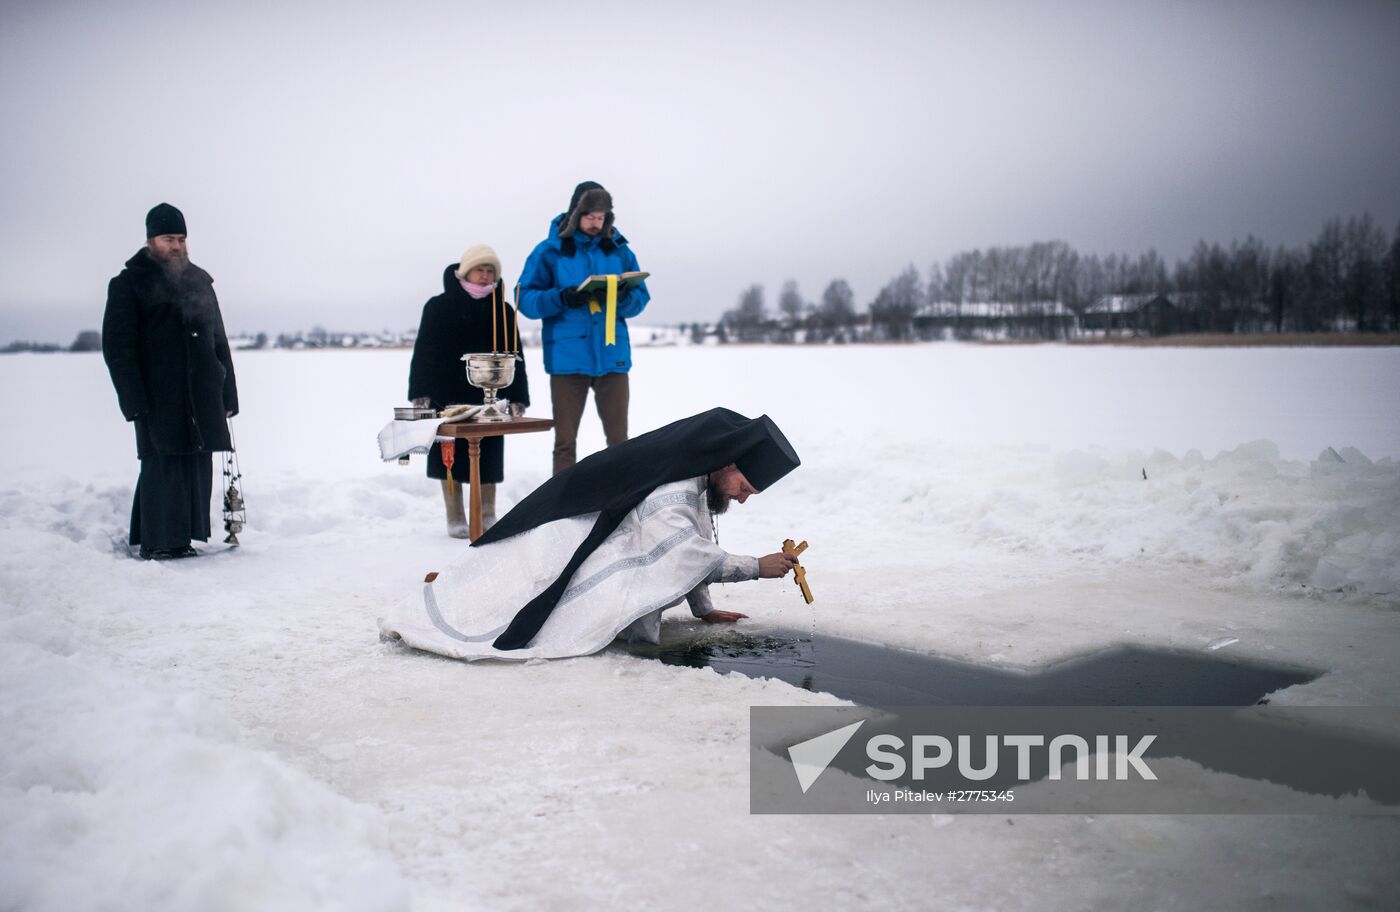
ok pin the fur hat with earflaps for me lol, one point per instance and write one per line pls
(588, 197)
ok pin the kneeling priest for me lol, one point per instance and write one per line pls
(604, 547)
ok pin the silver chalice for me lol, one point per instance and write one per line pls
(490, 371)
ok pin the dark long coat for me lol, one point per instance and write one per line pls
(168, 355)
(455, 324)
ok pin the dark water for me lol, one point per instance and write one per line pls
(882, 676)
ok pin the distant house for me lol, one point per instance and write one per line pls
(1151, 314)
(1159, 314)
(995, 320)
(655, 336)
(1249, 316)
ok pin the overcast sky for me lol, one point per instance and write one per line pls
(332, 158)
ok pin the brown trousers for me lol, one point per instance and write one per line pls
(568, 393)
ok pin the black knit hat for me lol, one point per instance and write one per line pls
(589, 196)
(164, 219)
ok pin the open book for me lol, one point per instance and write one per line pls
(625, 281)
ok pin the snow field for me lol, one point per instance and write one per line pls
(227, 733)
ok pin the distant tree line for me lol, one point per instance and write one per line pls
(90, 340)
(87, 340)
(1346, 280)
(23, 345)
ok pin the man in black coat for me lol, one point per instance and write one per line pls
(164, 342)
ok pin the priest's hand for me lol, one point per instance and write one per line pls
(775, 565)
(721, 617)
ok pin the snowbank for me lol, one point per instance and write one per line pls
(1244, 514)
(120, 793)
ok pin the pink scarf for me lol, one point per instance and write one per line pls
(475, 290)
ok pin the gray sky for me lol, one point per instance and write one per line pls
(331, 158)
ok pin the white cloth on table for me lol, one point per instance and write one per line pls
(400, 438)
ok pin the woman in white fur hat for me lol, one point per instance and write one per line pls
(471, 315)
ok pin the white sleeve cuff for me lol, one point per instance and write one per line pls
(736, 569)
(699, 600)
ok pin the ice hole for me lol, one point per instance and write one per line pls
(875, 675)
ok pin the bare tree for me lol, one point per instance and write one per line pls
(1326, 271)
(993, 270)
(1285, 286)
(976, 278)
(751, 306)
(1363, 288)
(894, 308)
(1392, 282)
(747, 319)
(955, 279)
(838, 307)
(790, 303)
(89, 340)
(1091, 281)
(1246, 285)
(936, 291)
(1204, 276)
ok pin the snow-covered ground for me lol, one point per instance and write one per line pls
(229, 733)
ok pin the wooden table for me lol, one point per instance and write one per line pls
(472, 432)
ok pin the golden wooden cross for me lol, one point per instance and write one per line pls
(798, 572)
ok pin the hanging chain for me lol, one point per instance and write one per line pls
(714, 517)
(235, 512)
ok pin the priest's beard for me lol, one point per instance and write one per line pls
(173, 265)
(718, 503)
(191, 287)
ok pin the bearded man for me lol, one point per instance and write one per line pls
(585, 345)
(164, 343)
(604, 547)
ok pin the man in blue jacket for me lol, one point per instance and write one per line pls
(578, 355)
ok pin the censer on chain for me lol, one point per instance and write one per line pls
(235, 515)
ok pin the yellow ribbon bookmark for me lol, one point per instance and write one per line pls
(610, 334)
